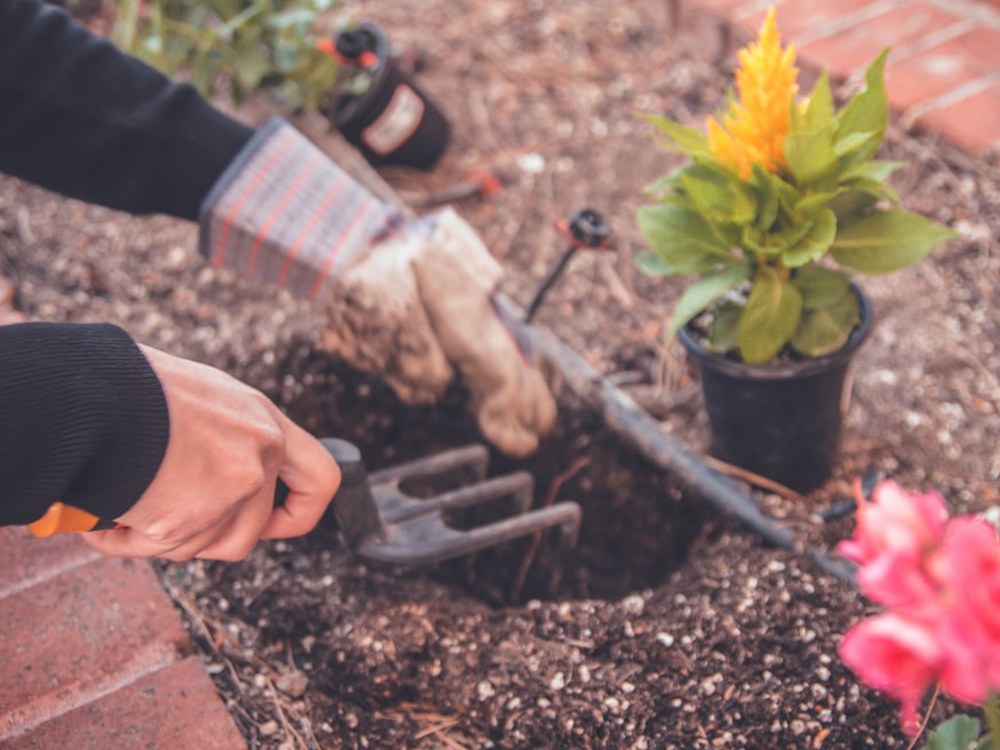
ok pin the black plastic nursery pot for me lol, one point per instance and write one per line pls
(782, 422)
(393, 122)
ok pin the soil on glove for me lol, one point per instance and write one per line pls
(670, 625)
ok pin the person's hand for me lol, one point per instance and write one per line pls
(409, 300)
(214, 492)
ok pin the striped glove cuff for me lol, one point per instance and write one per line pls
(285, 214)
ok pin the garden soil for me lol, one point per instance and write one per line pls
(670, 625)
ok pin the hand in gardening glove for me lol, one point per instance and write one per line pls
(408, 299)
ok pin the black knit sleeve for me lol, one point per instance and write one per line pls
(85, 420)
(79, 117)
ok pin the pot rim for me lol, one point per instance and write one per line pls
(355, 106)
(804, 368)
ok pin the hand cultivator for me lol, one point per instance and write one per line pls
(381, 521)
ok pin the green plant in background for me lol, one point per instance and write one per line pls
(252, 44)
(775, 187)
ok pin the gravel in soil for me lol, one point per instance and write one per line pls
(669, 626)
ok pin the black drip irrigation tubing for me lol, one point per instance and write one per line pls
(631, 422)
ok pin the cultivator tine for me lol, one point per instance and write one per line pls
(396, 507)
(383, 522)
(427, 539)
(474, 458)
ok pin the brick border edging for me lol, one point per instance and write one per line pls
(90, 636)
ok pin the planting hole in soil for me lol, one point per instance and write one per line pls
(637, 525)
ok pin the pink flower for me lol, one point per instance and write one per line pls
(904, 582)
(970, 556)
(896, 522)
(964, 674)
(940, 582)
(896, 656)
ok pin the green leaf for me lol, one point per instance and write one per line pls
(767, 197)
(203, 77)
(704, 292)
(725, 328)
(824, 330)
(684, 138)
(683, 239)
(241, 19)
(819, 110)
(665, 184)
(719, 202)
(250, 68)
(815, 243)
(875, 169)
(776, 243)
(957, 733)
(874, 188)
(810, 204)
(788, 194)
(821, 287)
(863, 122)
(707, 196)
(810, 155)
(652, 264)
(285, 56)
(887, 241)
(697, 168)
(853, 141)
(753, 239)
(771, 317)
(851, 205)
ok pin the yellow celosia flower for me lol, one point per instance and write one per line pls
(754, 128)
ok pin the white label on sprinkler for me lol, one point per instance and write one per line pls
(396, 123)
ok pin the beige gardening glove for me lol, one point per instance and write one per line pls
(407, 299)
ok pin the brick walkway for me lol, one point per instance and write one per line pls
(96, 657)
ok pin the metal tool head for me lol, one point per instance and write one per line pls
(383, 522)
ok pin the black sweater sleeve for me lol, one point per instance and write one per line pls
(85, 420)
(79, 117)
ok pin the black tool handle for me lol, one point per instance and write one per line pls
(348, 458)
(352, 509)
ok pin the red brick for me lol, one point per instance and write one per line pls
(972, 123)
(943, 67)
(797, 17)
(80, 635)
(176, 707)
(854, 48)
(28, 560)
